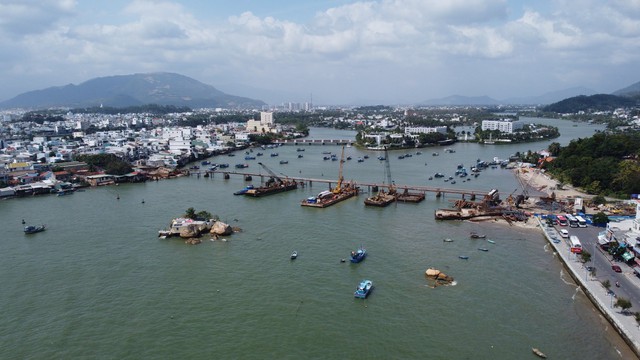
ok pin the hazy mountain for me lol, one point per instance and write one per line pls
(461, 100)
(550, 97)
(132, 90)
(630, 91)
(546, 98)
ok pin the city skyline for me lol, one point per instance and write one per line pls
(395, 51)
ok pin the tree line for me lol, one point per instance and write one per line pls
(604, 164)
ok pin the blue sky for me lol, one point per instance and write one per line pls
(342, 52)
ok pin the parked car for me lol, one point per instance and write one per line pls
(564, 233)
(616, 268)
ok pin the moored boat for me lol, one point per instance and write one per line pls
(294, 255)
(243, 191)
(483, 249)
(463, 257)
(477, 236)
(32, 229)
(539, 353)
(363, 289)
(358, 255)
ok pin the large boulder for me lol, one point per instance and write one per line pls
(220, 228)
(189, 231)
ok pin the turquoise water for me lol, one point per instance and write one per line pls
(99, 283)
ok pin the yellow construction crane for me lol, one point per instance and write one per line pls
(338, 188)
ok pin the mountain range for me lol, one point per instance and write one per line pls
(164, 88)
(132, 90)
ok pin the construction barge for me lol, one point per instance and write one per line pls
(410, 197)
(328, 198)
(384, 198)
(333, 196)
(272, 186)
(463, 209)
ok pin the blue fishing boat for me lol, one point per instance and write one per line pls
(243, 191)
(363, 289)
(358, 255)
(31, 229)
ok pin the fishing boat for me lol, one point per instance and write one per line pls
(284, 161)
(294, 255)
(447, 240)
(463, 257)
(32, 229)
(242, 166)
(477, 236)
(358, 255)
(539, 353)
(483, 249)
(491, 241)
(363, 289)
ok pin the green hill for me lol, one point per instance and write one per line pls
(598, 102)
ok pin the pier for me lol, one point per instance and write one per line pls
(372, 187)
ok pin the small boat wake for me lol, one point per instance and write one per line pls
(563, 280)
(578, 289)
(546, 247)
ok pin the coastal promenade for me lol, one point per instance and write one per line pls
(602, 298)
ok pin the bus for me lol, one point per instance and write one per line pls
(562, 221)
(576, 246)
(573, 222)
(581, 221)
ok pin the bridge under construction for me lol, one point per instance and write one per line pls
(471, 194)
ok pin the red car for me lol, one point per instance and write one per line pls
(616, 268)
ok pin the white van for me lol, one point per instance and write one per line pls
(564, 233)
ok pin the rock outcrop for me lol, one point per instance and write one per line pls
(220, 228)
(439, 277)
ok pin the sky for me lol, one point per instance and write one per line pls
(327, 51)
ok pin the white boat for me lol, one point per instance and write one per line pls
(294, 255)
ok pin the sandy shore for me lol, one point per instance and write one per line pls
(541, 184)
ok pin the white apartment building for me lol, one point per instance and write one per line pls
(425, 130)
(504, 125)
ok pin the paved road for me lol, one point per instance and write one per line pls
(629, 282)
(629, 288)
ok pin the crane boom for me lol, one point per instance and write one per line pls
(338, 187)
(387, 171)
(273, 175)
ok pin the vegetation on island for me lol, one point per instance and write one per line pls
(202, 215)
(110, 163)
(604, 164)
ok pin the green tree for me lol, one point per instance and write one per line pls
(607, 284)
(624, 304)
(585, 256)
(600, 218)
(190, 213)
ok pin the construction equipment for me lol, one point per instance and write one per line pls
(387, 172)
(274, 177)
(338, 188)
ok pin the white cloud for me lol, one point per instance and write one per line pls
(408, 44)
(23, 17)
